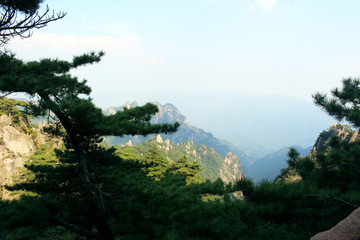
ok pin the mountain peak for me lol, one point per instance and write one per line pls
(168, 113)
(158, 138)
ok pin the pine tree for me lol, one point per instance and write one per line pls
(48, 81)
(158, 162)
(293, 156)
(191, 170)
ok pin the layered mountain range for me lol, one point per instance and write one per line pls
(168, 113)
(266, 167)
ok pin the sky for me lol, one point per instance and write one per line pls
(162, 49)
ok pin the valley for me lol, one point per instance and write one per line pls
(257, 161)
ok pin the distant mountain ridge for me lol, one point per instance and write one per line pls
(269, 167)
(168, 113)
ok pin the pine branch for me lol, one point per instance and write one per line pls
(351, 165)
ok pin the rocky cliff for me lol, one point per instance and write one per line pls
(231, 170)
(18, 140)
(15, 146)
(343, 132)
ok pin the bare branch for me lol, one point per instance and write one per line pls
(11, 23)
(351, 165)
(331, 198)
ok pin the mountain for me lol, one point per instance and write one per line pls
(168, 113)
(213, 165)
(269, 166)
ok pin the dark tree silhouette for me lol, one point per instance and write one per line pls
(20, 17)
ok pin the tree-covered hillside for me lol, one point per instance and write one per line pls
(212, 164)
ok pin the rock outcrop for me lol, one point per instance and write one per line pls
(231, 170)
(18, 140)
(347, 229)
(343, 132)
(15, 147)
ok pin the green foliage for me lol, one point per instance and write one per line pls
(15, 109)
(187, 169)
(20, 119)
(290, 174)
(63, 95)
(142, 208)
(75, 179)
(287, 175)
(336, 168)
(209, 160)
(293, 156)
(344, 103)
(158, 163)
(11, 107)
(158, 166)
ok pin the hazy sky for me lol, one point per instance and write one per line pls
(161, 49)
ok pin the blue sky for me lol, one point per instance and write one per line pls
(161, 49)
